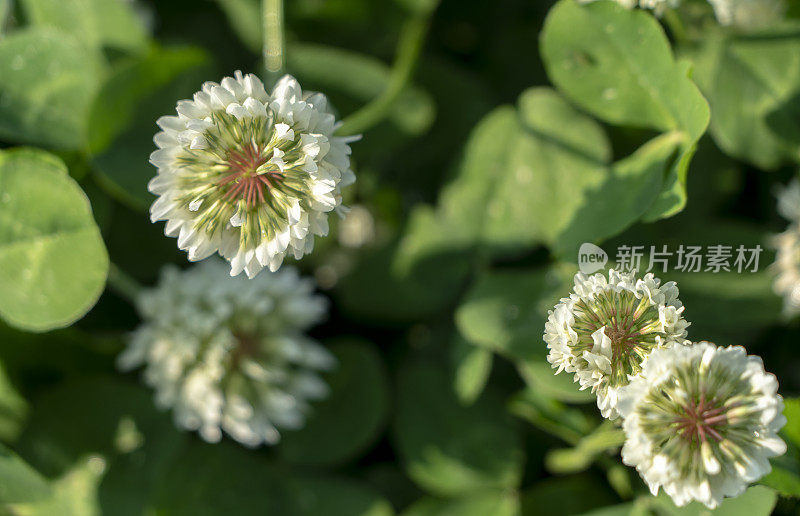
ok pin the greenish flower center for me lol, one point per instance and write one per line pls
(695, 408)
(631, 324)
(234, 175)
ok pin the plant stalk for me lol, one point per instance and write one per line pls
(409, 47)
(274, 39)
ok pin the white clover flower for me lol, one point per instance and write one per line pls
(787, 244)
(604, 331)
(701, 422)
(248, 174)
(748, 14)
(657, 6)
(230, 354)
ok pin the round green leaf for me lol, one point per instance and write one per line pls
(449, 449)
(53, 263)
(617, 63)
(339, 428)
(46, 88)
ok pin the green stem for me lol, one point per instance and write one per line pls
(124, 285)
(409, 47)
(272, 17)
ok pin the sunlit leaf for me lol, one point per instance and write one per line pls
(53, 262)
(46, 88)
(752, 83)
(617, 64)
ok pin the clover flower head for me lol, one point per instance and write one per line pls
(748, 14)
(657, 6)
(787, 245)
(228, 354)
(701, 422)
(249, 174)
(605, 330)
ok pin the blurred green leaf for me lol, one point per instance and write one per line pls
(785, 475)
(13, 409)
(540, 376)
(123, 117)
(18, 481)
(223, 478)
(244, 17)
(472, 366)
(338, 429)
(422, 7)
(607, 437)
(561, 496)
(782, 479)
(390, 480)
(749, 295)
(53, 262)
(95, 23)
(425, 277)
(792, 412)
(5, 13)
(627, 192)
(557, 159)
(447, 448)
(489, 503)
(363, 78)
(756, 501)
(505, 311)
(46, 88)
(114, 421)
(546, 164)
(115, 105)
(752, 83)
(625, 509)
(617, 64)
(73, 494)
(551, 416)
(336, 497)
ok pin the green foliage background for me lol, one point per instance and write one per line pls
(528, 128)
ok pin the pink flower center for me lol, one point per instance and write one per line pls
(244, 182)
(701, 420)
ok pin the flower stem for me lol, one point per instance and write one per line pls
(272, 17)
(121, 283)
(409, 46)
